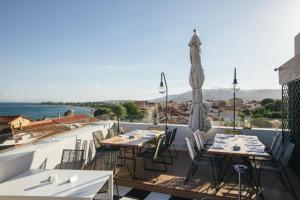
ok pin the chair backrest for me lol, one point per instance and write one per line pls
(122, 130)
(201, 139)
(285, 156)
(197, 140)
(84, 148)
(43, 165)
(173, 135)
(97, 137)
(168, 138)
(277, 147)
(90, 153)
(233, 132)
(190, 148)
(78, 144)
(71, 159)
(274, 141)
(106, 160)
(111, 133)
(159, 147)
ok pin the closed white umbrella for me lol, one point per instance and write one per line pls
(199, 111)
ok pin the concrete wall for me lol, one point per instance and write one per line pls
(265, 135)
(297, 44)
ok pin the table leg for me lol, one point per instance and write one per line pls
(134, 161)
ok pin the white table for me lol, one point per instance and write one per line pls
(33, 184)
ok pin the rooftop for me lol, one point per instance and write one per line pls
(170, 182)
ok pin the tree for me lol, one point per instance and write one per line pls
(102, 111)
(134, 111)
(266, 101)
(119, 111)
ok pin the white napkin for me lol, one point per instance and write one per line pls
(222, 136)
(220, 141)
(255, 149)
(147, 136)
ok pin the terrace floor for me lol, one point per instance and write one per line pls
(199, 186)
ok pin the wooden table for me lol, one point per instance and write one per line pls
(237, 146)
(247, 145)
(33, 184)
(134, 140)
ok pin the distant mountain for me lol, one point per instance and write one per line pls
(225, 94)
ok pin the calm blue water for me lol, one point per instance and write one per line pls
(38, 111)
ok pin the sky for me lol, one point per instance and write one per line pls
(71, 50)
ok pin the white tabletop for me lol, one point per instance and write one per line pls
(33, 184)
(247, 146)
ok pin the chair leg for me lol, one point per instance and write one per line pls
(171, 157)
(176, 154)
(194, 170)
(155, 163)
(115, 179)
(289, 183)
(189, 173)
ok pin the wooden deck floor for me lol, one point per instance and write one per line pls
(199, 186)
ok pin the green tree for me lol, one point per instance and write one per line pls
(274, 106)
(119, 111)
(266, 101)
(102, 111)
(134, 111)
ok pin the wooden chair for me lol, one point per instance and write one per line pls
(111, 133)
(98, 137)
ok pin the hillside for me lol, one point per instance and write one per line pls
(225, 94)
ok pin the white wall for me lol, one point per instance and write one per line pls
(265, 135)
(50, 149)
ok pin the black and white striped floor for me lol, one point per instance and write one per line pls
(127, 193)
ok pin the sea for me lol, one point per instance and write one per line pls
(38, 111)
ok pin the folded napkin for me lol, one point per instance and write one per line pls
(222, 136)
(219, 145)
(151, 134)
(220, 141)
(254, 144)
(147, 137)
(255, 149)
